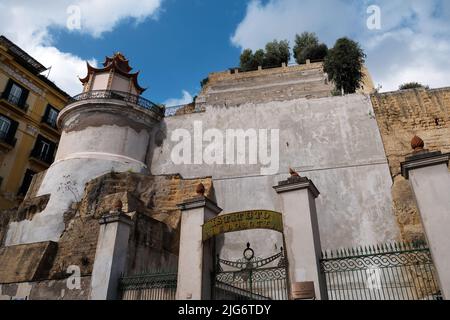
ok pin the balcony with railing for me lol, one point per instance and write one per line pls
(122, 96)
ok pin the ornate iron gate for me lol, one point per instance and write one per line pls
(155, 285)
(246, 279)
(396, 271)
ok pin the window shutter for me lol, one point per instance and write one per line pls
(51, 152)
(46, 113)
(7, 90)
(35, 151)
(12, 132)
(23, 97)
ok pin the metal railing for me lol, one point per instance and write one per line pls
(183, 109)
(249, 278)
(152, 285)
(122, 96)
(395, 271)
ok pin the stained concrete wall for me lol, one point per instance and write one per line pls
(65, 182)
(46, 290)
(334, 141)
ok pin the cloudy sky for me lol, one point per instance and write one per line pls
(176, 43)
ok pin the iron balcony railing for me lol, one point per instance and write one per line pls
(122, 96)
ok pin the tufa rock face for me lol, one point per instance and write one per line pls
(401, 115)
(154, 239)
(154, 196)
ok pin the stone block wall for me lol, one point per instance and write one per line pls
(277, 84)
(400, 116)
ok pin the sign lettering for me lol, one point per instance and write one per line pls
(254, 219)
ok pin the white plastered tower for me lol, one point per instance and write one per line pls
(108, 127)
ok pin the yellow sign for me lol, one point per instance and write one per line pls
(254, 219)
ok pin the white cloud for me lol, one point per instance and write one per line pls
(413, 44)
(28, 24)
(185, 99)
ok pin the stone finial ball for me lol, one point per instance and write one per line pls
(200, 189)
(293, 173)
(118, 205)
(417, 143)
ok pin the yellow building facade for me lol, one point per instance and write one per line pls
(29, 106)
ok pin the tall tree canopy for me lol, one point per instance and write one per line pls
(275, 53)
(344, 65)
(307, 46)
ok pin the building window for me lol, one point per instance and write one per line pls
(29, 174)
(16, 94)
(5, 124)
(8, 130)
(44, 150)
(50, 116)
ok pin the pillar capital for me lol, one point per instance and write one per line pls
(423, 159)
(115, 216)
(297, 183)
(200, 202)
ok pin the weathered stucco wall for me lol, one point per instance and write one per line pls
(65, 182)
(400, 116)
(334, 141)
(45, 290)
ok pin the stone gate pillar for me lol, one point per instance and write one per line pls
(301, 233)
(111, 255)
(430, 180)
(196, 258)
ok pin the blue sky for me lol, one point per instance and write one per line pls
(176, 43)
(175, 52)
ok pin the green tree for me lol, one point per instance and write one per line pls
(412, 85)
(276, 53)
(259, 57)
(344, 65)
(247, 60)
(307, 46)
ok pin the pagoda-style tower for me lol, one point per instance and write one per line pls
(106, 128)
(115, 75)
